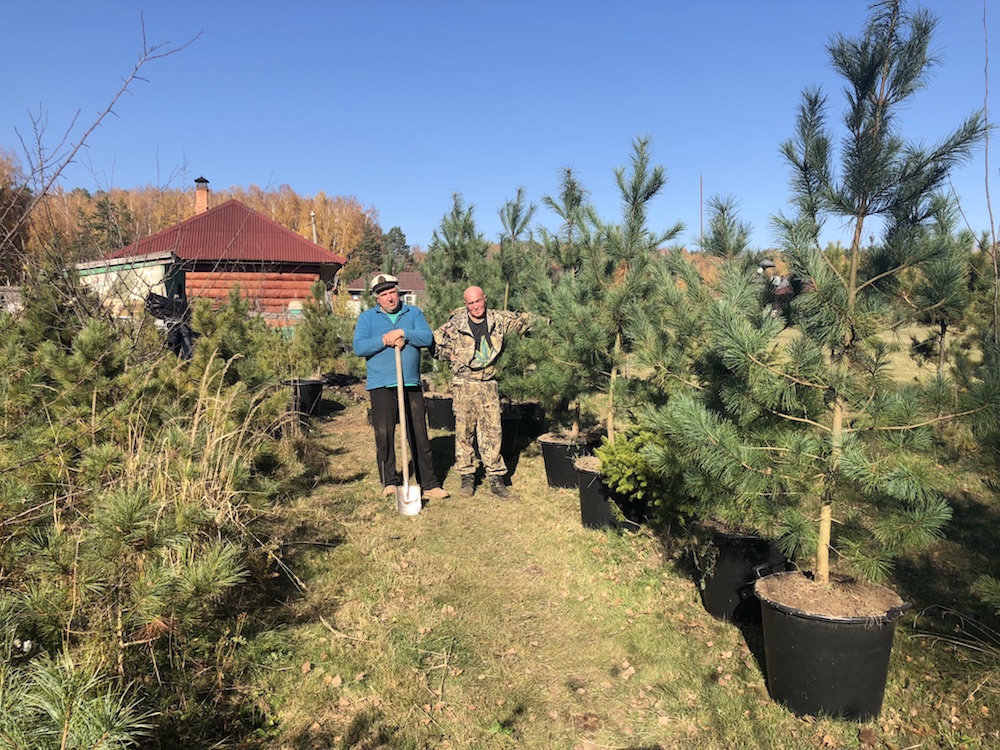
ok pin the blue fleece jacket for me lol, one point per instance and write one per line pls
(379, 358)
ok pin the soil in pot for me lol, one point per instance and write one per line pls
(559, 453)
(827, 648)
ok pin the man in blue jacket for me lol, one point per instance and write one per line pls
(387, 326)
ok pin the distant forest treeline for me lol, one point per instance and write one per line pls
(78, 226)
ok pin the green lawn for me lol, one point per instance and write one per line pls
(484, 624)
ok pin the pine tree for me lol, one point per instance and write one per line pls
(728, 236)
(396, 254)
(942, 295)
(593, 306)
(786, 424)
(457, 257)
(323, 337)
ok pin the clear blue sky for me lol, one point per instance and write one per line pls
(402, 104)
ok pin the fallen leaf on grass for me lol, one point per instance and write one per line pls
(306, 667)
(867, 737)
(587, 722)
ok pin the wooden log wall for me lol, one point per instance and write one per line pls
(270, 293)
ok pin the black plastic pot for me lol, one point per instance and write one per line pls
(511, 442)
(306, 394)
(827, 666)
(440, 412)
(559, 456)
(730, 568)
(532, 418)
(595, 500)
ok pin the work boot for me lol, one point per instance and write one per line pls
(436, 493)
(389, 490)
(468, 485)
(499, 489)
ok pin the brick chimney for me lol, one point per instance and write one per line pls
(200, 195)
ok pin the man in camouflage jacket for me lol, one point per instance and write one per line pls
(471, 341)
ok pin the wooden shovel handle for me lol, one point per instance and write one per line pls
(402, 420)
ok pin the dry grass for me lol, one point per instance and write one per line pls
(484, 624)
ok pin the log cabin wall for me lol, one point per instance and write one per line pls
(279, 297)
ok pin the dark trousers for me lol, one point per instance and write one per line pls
(385, 417)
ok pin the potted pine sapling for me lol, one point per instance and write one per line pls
(619, 488)
(569, 357)
(317, 347)
(675, 349)
(805, 434)
(583, 350)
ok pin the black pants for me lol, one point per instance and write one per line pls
(385, 417)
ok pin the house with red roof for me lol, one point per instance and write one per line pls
(412, 289)
(215, 250)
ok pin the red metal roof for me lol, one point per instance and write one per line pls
(232, 232)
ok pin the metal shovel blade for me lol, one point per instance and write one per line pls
(408, 499)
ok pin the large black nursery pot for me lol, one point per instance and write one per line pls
(730, 564)
(818, 665)
(440, 411)
(596, 499)
(559, 455)
(306, 394)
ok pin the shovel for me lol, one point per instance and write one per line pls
(407, 498)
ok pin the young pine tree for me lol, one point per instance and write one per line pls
(591, 307)
(789, 424)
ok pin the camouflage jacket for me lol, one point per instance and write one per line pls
(455, 343)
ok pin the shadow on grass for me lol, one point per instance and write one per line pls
(520, 426)
(944, 576)
(443, 455)
(368, 732)
(328, 408)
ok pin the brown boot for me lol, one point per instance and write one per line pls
(468, 485)
(499, 490)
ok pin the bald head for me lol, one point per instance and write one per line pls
(475, 302)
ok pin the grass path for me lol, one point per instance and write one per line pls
(490, 624)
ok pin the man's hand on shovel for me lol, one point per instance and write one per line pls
(394, 338)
